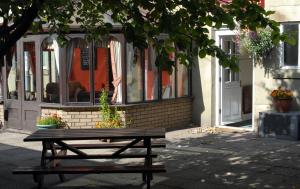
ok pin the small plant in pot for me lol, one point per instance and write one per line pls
(282, 99)
(51, 121)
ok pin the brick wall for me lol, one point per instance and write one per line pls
(168, 113)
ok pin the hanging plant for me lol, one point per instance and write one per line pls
(258, 43)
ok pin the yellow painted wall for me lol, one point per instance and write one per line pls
(269, 75)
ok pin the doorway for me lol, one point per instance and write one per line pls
(233, 89)
(22, 86)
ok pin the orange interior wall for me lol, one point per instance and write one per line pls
(77, 74)
(165, 78)
(83, 76)
(101, 73)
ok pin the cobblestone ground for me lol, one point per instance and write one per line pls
(194, 160)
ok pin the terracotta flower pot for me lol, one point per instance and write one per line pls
(282, 105)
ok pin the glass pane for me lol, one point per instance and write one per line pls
(234, 76)
(50, 71)
(102, 71)
(168, 82)
(29, 71)
(227, 74)
(182, 80)
(134, 74)
(78, 71)
(13, 74)
(151, 75)
(291, 51)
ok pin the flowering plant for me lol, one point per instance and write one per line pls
(258, 43)
(110, 117)
(52, 119)
(281, 93)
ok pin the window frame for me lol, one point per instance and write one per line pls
(281, 59)
(65, 84)
(54, 38)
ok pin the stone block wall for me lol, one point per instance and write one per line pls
(167, 113)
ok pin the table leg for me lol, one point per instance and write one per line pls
(56, 163)
(40, 178)
(148, 176)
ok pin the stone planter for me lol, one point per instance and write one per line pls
(282, 104)
(52, 126)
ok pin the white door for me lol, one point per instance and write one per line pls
(230, 85)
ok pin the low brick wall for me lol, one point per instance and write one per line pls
(167, 113)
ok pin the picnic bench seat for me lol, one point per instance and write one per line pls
(114, 145)
(90, 169)
(50, 163)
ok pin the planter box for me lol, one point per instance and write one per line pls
(53, 126)
(279, 125)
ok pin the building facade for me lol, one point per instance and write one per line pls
(40, 78)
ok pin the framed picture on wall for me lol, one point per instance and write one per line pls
(85, 59)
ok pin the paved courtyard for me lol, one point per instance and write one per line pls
(194, 160)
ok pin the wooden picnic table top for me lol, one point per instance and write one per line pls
(90, 134)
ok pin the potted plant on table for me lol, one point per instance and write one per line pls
(51, 121)
(282, 99)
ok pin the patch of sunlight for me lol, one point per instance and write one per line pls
(229, 174)
(243, 177)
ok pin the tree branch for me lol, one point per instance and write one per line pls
(26, 20)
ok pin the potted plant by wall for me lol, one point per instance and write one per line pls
(51, 121)
(110, 118)
(282, 99)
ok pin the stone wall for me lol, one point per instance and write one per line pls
(167, 113)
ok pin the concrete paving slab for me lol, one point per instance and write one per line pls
(194, 160)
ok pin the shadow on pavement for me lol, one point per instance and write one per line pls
(212, 161)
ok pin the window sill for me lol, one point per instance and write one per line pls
(86, 107)
(287, 73)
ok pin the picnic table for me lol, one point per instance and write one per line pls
(56, 141)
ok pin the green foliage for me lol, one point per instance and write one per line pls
(110, 118)
(52, 120)
(185, 23)
(258, 44)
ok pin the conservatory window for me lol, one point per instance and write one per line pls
(102, 72)
(168, 81)
(115, 51)
(78, 71)
(29, 64)
(182, 80)
(151, 75)
(134, 74)
(13, 74)
(50, 71)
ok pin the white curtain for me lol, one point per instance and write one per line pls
(56, 53)
(116, 61)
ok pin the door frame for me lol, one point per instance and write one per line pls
(218, 106)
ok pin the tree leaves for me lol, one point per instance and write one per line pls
(186, 24)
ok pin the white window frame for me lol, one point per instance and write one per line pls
(282, 66)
